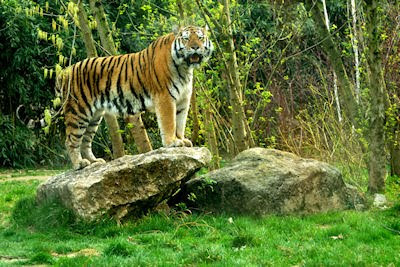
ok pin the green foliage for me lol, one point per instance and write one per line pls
(119, 248)
(16, 144)
(27, 213)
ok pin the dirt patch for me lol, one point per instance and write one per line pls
(84, 252)
(25, 178)
(11, 259)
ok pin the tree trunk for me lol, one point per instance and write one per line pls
(195, 118)
(142, 141)
(377, 159)
(211, 137)
(354, 42)
(345, 86)
(138, 132)
(335, 87)
(395, 157)
(235, 88)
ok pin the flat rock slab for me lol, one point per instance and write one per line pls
(263, 181)
(130, 185)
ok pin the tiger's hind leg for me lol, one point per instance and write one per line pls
(86, 147)
(74, 133)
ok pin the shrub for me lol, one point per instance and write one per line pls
(16, 144)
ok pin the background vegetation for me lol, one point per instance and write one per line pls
(303, 83)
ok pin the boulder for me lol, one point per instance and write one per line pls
(130, 185)
(263, 181)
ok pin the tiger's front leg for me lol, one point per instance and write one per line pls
(182, 111)
(165, 108)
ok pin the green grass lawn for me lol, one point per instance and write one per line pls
(52, 236)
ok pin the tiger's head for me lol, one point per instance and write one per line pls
(191, 46)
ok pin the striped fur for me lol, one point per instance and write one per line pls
(157, 79)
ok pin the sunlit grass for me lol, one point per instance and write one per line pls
(52, 235)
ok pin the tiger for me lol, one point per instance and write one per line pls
(157, 79)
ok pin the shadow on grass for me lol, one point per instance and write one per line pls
(53, 217)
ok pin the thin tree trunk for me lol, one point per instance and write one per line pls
(345, 86)
(377, 159)
(85, 30)
(138, 132)
(395, 156)
(195, 118)
(335, 86)
(354, 42)
(211, 137)
(235, 88)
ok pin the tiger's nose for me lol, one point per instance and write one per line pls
(195, 46)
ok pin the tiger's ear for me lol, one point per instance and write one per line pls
(176, 29)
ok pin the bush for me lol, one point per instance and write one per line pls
(16, 144)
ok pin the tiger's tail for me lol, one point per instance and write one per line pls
(48, 114)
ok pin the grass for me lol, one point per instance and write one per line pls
(51, 235)
(7, 173)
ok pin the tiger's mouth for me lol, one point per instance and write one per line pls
(194, 58)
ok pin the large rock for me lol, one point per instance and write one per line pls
(130, 185)
(263, 181)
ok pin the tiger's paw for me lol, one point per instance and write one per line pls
(177, 143)
(98, 162)
(187, 142)
(81, 164)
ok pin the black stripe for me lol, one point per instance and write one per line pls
(71, 84)
(72, 124)
(179, 111)
(108, 84)
(126, 69)
(176, 87)
(140, 62)
(165, 40)
(171, 94)
(131, 87)
(129, 108)
(102, 99)
(177, 70)
(95, 122)
(98, 76)
(117, 105)
(82, 93)
(88, 75)
(142, 101)
(142, 87)
(119, 89)
(176, 50)
(76, 135)
(80, 116)
(93, 76)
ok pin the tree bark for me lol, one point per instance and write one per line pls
(335, 87)
(235, 88)
(354, 42)
(377, 159)
(138, 131)
(211, 137)
(195, 118)
(345, 88)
